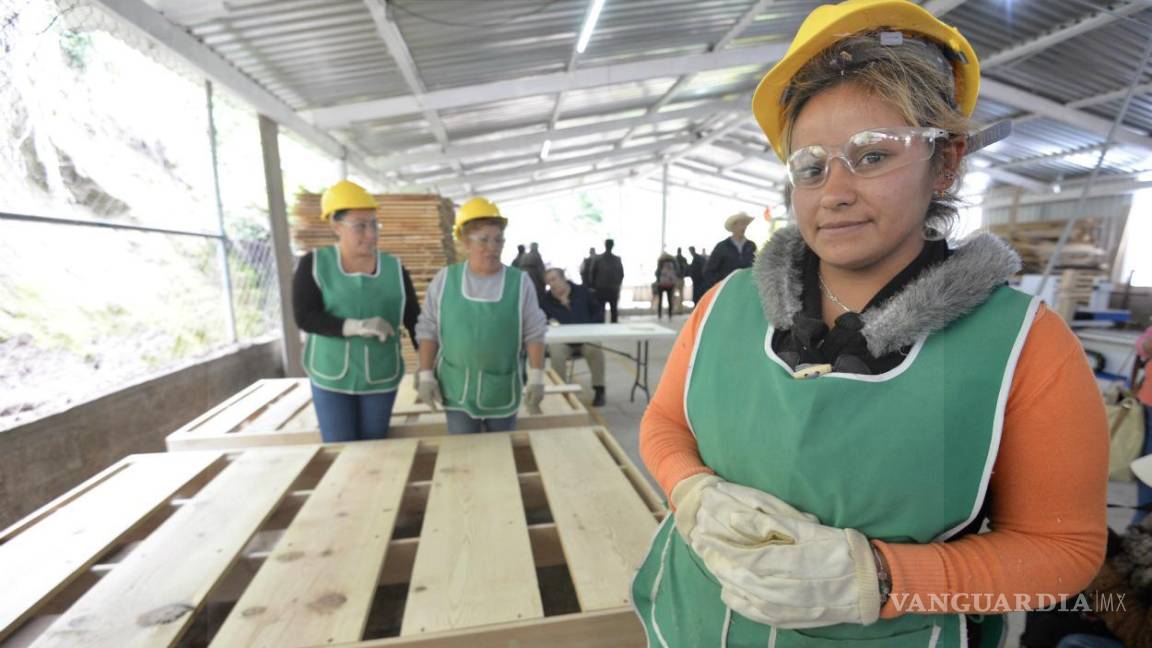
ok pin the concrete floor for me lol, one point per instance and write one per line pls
(622, 417)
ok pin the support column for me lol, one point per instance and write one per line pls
(278, 219)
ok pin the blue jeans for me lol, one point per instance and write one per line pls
(1144, 491)
(462, 423)
(1088, 641)
(352, 417)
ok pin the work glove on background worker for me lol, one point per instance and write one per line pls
(534, 391)
(377, 327)
(428, 389)
(775, 564)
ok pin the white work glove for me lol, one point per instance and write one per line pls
(718, 498)
(534, 391)
(782, 567)
(428, 389)
(377, 327)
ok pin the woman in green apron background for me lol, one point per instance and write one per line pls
(351, 300)
(478, 315)
(835, 423)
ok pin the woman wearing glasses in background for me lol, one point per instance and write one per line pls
(478, 315)
(835, 424)
(351, 299)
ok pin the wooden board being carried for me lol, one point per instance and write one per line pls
(278, 411)
(475, 540)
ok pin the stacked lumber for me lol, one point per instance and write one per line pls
(1075, 291)
(1036, 241)
(416, 228)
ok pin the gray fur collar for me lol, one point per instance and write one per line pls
(930, 302)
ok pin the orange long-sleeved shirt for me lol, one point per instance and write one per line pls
(1048, 487)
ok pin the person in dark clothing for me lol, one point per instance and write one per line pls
(533, 264)
(667, 275)
(696, 273)
(733, 253)
(519, 257)
(586, 268)
(607, 277)
(681, 271)
(351, 299)
(568, 303)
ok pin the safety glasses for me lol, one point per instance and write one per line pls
(361, 228)
(867, 154)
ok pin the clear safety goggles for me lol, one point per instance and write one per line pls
(361, 228)
(867, 154)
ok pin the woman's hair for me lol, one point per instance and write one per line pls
(473, 225)
(912, 75)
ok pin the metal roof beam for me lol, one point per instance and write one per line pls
(1005, 93)
(390, 33)
(755, 10)
(1045, 41)
(515, 142)
(338, 116)
(659, 147)
(157, 28)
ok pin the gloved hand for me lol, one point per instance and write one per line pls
(428, 389)
(787, 570)
(372, 327)
(708, 495)
(534, 391)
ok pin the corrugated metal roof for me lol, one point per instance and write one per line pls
(316, 54)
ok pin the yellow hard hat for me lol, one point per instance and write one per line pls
(474, 209)
(830, 23)
(345, 195)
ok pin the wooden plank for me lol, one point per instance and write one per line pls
(318, 584)
(229, 420)
(605, 527)
(150, 597)
(617, 628)
(49, 554)
(297, 396)
(474, 564)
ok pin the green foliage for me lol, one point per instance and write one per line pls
(76, 48)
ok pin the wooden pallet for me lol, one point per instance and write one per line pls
(278, 411)
(475, 540)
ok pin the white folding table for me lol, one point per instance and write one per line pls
(600, 334)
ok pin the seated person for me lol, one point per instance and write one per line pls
(568, 303)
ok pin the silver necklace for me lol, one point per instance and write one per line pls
(832, 297)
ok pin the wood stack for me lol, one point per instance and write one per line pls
(1075, 290)
(416, 228)
(1036, 241)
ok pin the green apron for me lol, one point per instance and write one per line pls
(903, 456)
(479, 361)
(357, 364)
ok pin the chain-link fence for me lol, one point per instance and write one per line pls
(127, 247)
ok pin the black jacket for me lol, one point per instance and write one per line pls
(607, 272)
(726, 259)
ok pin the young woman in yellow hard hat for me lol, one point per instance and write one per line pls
(351, 299)
(478, 316)
(836, 423)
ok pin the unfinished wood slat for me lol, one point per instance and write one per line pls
(474, 563)
(318, 584)
(604, 526)
(49, 554)
(232, 417)
(617, 628)
(149, 598)
(297, 396)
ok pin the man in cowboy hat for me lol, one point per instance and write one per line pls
(732, 253)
